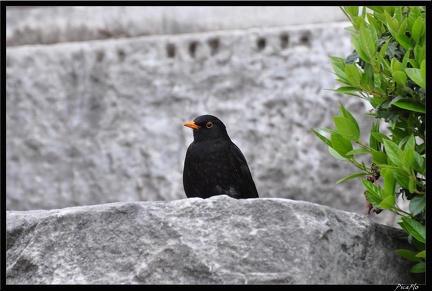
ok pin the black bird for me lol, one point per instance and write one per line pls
(214, 165)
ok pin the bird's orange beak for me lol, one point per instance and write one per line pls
(191, 124)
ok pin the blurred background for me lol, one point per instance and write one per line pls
(96, 98)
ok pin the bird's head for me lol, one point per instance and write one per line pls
(207, 127)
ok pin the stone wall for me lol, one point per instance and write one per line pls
(99, 119)
(53, 24)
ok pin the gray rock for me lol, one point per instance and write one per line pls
(194, 241)
(52, 24)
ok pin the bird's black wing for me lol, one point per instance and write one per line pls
(245, 181)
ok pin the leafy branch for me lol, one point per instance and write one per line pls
(387, 68)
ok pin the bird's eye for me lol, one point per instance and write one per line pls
(209, 124)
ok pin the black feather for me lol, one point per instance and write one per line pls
(214, 165)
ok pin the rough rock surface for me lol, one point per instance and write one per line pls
(194, 241)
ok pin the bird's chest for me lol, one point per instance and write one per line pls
(209, 155)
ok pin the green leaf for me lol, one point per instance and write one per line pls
(409, 255)
(373, 192)
(389, 182)
(404, 41)
(412, 181)
(351, 29)
(350, 177)
(348, 90)
(413, 227)
(417, 76)
(358, 151)
(328, 130)
(348, 12)
(353, 74)
(395, 65)
(323, 138)
(421, 148)
(387, 203)
(369, 41)
(414, 63)
(363, 14)
(372, 188)
(336, 155)
(355, 39)
(367, 78)
(419, 163)
(373, 142)
(410, 142)
(378, 9)
(397, 133)
(383, 50)
(380, 89)
(418, 268)
(418, 29)
(373, 198)
(422, 254)
(409, 104)
(406, 58)
(392, 23)
(420, 54)
(340, 144)
(338, 65)
(394, 153)
(400, 78)
(345, 113)
(408, 158)
(379, 136)
(418, 245)
(352, 10)
(376, 23)
(359, 22)
(417, 204)
(402, 178)
(398, 14)
(346, 128)
(350, 94)
(412, 17)
(403, 26)
(423, 70)
(343, 81)
(379, 158)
